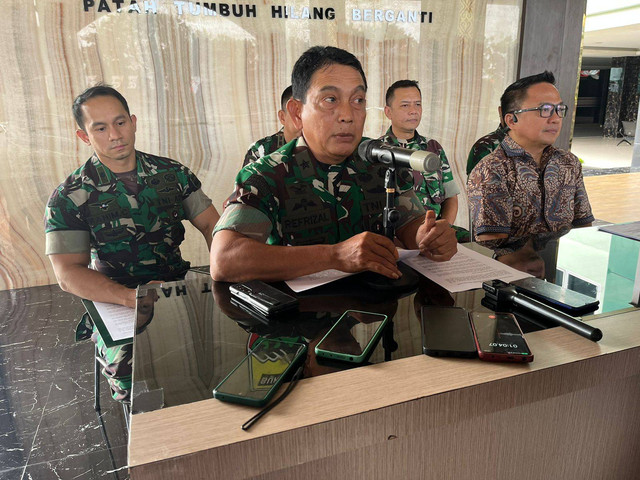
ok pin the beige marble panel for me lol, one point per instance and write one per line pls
(204, 87)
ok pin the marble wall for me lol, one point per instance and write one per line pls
(624, 93)
(205, 84)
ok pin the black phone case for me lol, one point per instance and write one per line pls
(446, 332)
(555, 296)
(262, 297)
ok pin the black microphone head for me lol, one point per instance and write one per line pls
(364, 150)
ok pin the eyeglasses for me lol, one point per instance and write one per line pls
(547, 109)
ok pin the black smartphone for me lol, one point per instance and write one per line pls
(262, 297)
(565, 300)
(446, 332)
(353, 337)
(259, 375)
(499, 338)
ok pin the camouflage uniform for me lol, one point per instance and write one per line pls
(264, 146)
(484, 146)
(432, 188)
(289, 198)
(133, 238)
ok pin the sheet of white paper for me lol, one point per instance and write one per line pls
(465, 271)
(119, 320)
(313, 280)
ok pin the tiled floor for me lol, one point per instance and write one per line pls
(48, 426)
(600, 153)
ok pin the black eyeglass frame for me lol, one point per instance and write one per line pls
(555, 109)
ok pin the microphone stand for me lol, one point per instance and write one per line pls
(391, 216)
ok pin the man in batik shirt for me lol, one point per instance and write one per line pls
(527, 186)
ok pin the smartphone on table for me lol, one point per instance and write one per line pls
(446, 332)
(565, 300)
(263, 298)
(259, 375)
(353, 337)
(499, 338)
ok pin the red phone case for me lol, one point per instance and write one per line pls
(502, 357)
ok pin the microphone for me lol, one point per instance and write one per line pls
(378, 152)
(505, 296)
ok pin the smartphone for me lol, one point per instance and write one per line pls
(446, 332)
(353, 337)
(565, 300)
(499, 338)
(262, 297)
(258, 376)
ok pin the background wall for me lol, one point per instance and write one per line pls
(206, 86)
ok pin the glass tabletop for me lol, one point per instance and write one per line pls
(193, 336)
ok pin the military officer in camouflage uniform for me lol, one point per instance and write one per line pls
(437, 191)
(486, 145)
(270, 144)
(314, 204)
(116, 222)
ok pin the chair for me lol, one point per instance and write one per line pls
(628, 132)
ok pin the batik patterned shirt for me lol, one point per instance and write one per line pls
(509, 193)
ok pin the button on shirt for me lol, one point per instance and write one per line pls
(509, 193)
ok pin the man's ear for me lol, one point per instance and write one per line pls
(294, 107)
(387, 111)
(134, 120)
(510, 119)
(82, 135)
(281, 116)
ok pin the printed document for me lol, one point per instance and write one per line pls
(465, 271)
(119, 320)
(313, 280)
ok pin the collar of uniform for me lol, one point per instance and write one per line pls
(106, 177)
(417, 138)
(301, 146)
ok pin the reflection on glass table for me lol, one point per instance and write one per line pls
(585, 260)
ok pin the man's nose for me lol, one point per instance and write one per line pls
(114, 133)
(345, 112)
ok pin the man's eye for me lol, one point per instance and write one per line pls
(101, 129)
(330, 99)
(359, 101)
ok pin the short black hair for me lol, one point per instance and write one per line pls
(400, 84)
(315, 59)
(98, 90)
(286, 95)
(515, 93)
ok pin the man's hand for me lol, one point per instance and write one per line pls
(368, 251)
(436, 239)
